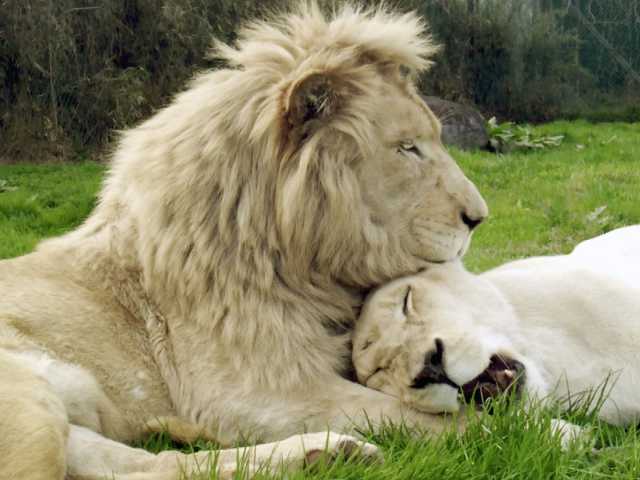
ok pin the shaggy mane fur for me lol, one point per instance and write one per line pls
(215, 205)
(232, 223)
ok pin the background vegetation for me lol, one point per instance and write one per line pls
(72, 71)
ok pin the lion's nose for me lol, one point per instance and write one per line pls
(433, 359)
(471, 222)
(433, 369)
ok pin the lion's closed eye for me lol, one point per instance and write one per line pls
(407, 302)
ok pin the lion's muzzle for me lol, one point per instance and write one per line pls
(502, 376)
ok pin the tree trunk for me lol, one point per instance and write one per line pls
(52, 86)
(472, 6)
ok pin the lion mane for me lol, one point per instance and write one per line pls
(239, 227)
(222, 213)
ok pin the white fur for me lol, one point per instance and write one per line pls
(572, 320)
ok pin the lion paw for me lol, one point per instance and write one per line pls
(328, 447)
(571, 434)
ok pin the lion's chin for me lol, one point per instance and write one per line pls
(447, 253)
(465, 246)
(440, 260)
(437, 258)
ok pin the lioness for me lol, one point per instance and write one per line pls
(217, 280)
(554, 328)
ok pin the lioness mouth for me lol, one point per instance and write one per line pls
(501, 376)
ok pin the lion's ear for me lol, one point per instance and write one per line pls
(313, 97)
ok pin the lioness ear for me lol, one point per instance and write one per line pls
(312, 97)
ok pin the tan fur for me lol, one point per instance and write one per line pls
(236, 232)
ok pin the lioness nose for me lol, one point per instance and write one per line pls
(471, 222)
(434, 359)
(433, 369)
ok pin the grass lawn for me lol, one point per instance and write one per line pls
(541, 203)
(39, 201)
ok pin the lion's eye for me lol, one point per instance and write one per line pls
(410, 148)
(366, 345)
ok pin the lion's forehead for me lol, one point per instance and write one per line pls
(414, 119)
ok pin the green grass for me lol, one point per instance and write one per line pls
(541, 203)
(545, 202)
(39, 201)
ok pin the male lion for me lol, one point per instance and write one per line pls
(552, 328)
(217, 279)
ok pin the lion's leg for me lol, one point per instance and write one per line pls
(353, 407)
(571, 434)
(92, 456)
(32, 446)
(33, 425)
(331, 403)
(290, 454)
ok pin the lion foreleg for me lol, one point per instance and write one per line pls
(92, 457)
(349, 407)
(290, 454)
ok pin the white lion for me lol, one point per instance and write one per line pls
(553, 328)
(218, 278)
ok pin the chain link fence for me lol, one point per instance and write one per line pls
(537, 60)
(74, 71)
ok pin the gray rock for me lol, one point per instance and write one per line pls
(462, 126)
